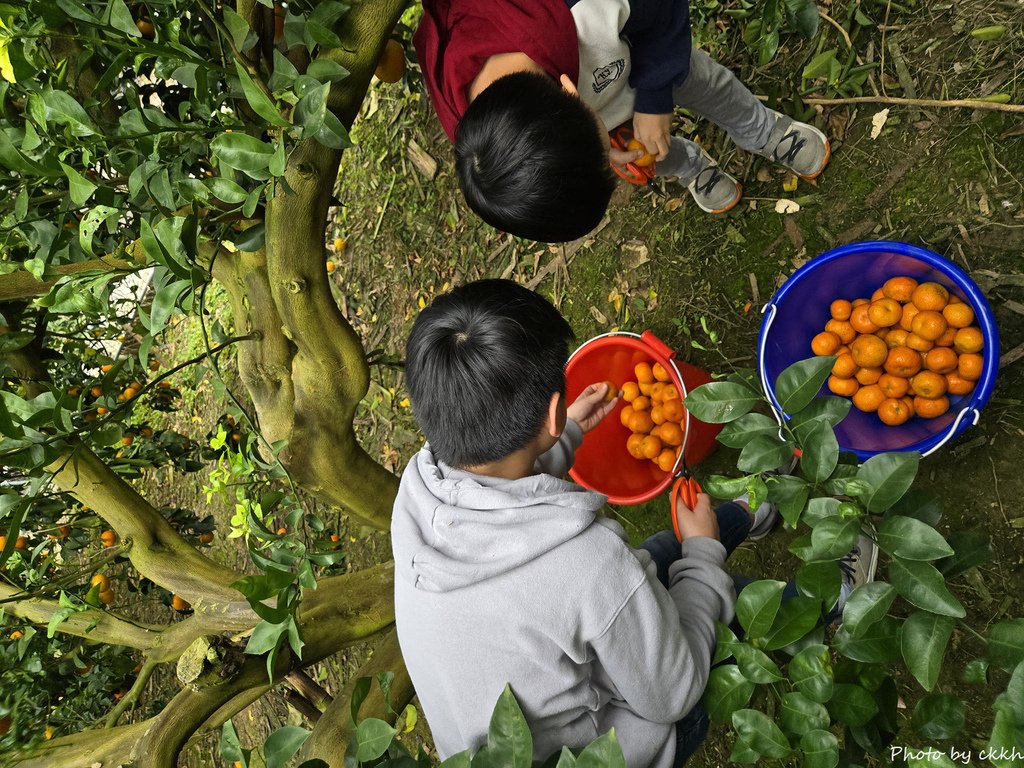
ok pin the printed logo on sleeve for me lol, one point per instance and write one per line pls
(608, 74)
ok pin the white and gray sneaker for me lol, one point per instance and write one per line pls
(714, 190)
(798, 146)
(765, 518)
(857, 567)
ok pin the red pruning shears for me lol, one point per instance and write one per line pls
(642, 176)
(685, 489)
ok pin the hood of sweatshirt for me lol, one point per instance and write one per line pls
(453, 529)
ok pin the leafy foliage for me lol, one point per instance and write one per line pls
(827, 677)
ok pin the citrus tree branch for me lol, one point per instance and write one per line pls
(156, 550)
(94, 625)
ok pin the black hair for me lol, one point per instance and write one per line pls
(481, 365)
(531, 159)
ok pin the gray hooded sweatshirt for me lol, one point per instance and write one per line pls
(522, 582)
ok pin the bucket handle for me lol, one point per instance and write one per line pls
(953, 429)
(770, 310)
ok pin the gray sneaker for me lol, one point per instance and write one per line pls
(857, 567)
(798, 146)
(714, 190)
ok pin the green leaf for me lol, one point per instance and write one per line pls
(509, 741)
(230, 747)
(1008, 729)
(801, 715)
(811, 673)
(852, 704)
(867, 604)
(727, 691)
(360, 691)
(91, 223)
(820, 452)
(326, 71)
(976, 672)
(120, 18)
(923, 640)
(789, 494)
(332, 133)
(820, 748)
(833, 538)
(721, 401)
(738, 433)
(939, 716)
(566, 759)
(724, 638)
(237, 27)
(763, 454)
(802, 15)
(878, 644)
(889, 475)
(923, 586)
(919, 505)
(1005, 646)
(988, 33)
(373, 737)
(755, 729)
(261, 104)
(244, 153)
(80, 188)
(265, 637)
(911, 539)
(459, 760)
(602, 752)
(757, 605)
(755, 665)
(970, 549)
(820, 65)
(798, 384)
(796, 617)
(823, 581)
(725, 487)
(282, 745)
(311, 110)
(225, 189)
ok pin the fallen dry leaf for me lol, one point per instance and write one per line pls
(674, 204)
(786, 206)
(598, 315)
(790, 182)
(763, 174)
(878, 122)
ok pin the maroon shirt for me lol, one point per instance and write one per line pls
(456, 37)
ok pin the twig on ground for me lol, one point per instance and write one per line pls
(896, 100)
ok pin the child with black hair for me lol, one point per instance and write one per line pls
(506, 573)
(532, 154)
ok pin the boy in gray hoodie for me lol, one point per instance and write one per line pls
(506, 573)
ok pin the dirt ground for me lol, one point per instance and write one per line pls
(951, 180)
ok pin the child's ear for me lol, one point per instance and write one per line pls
(555, 422)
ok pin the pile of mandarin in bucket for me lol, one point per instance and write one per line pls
(904, 351)
(654, 416)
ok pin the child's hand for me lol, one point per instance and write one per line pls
(590, 407)
(654, 132)
(700, 521)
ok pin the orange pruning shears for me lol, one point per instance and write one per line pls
(642, 176)
(685, 489)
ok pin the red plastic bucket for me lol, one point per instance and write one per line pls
(602, 463)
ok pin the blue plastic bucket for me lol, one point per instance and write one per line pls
(800, 309)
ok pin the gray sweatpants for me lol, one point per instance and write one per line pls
(712, 91)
